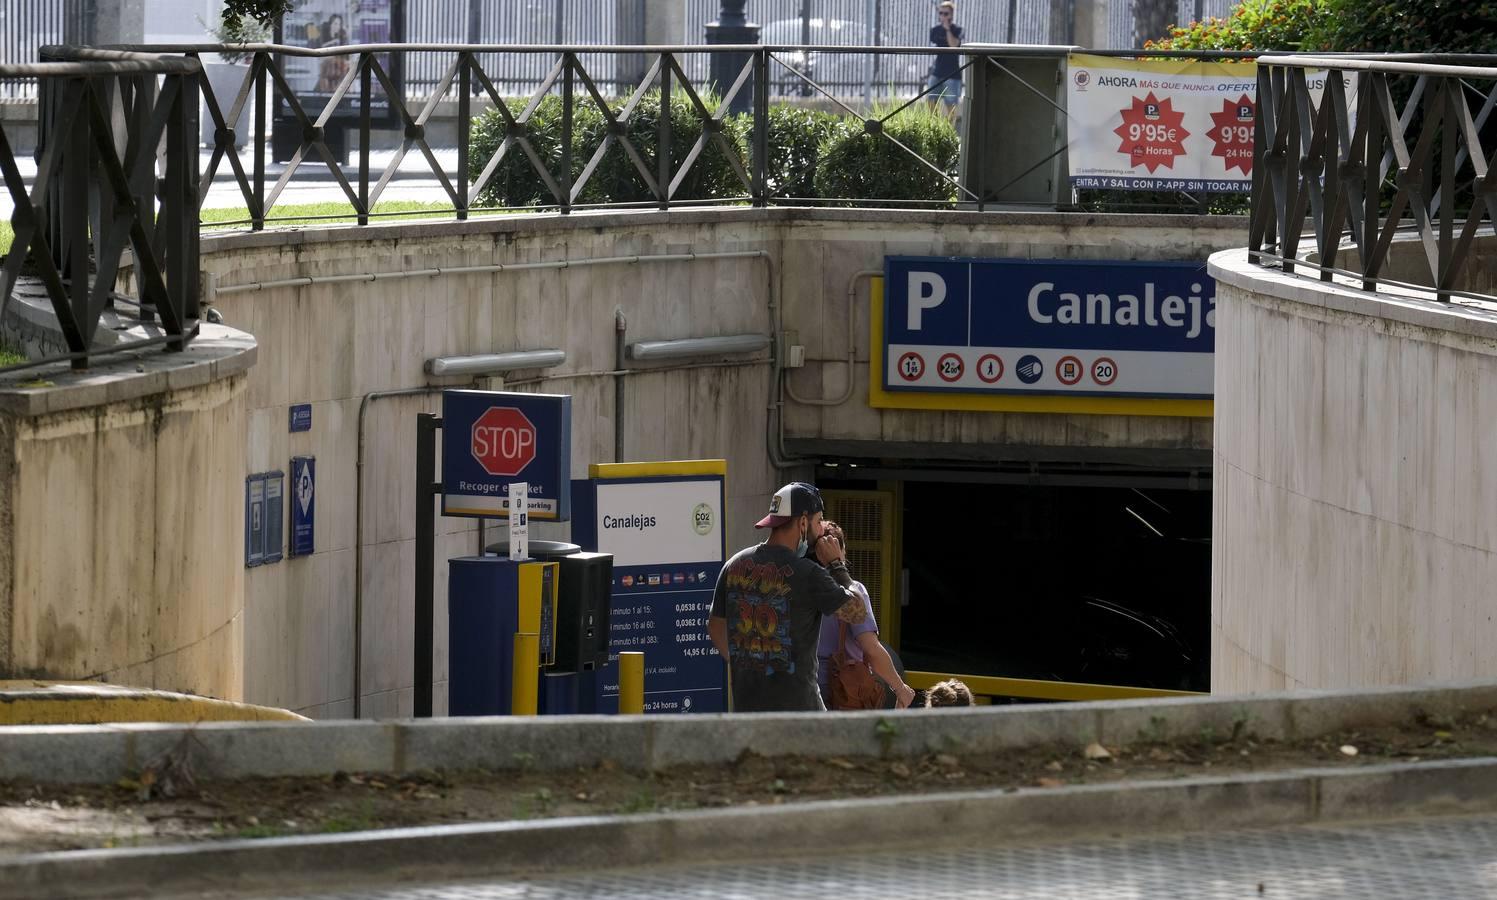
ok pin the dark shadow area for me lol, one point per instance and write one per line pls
(1104, 585)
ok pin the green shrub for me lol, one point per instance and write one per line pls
(1406, 26)
(795, 138)
(854, 164)
(515, 181)
(616, 179)
(1252, 25)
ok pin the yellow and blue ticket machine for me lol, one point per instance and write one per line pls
(489, 600)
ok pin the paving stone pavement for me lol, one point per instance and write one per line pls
(1435, 858)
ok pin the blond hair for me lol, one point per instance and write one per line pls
(948, 693)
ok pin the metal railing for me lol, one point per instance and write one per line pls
(1392, 145)
(116, 167)
(356, 100)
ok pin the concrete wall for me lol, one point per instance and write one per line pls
(1355, 457)
(120, 530)
(332, 345)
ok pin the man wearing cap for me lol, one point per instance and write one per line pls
(767, 609)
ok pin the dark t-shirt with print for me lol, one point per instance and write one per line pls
(947, 64)
(774, 601)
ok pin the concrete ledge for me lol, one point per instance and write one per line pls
(539, 223)
(977, 817)
(101, 754)
(217, 352)
(1470, 318)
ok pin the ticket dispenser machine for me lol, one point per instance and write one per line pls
(489, 599)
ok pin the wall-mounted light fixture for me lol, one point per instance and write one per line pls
(494, 363)
(685, 348)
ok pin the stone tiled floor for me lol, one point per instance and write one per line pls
(1436, 858)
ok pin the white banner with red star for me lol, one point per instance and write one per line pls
(1157, 125)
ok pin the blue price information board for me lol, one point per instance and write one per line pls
(666, 536)
(1080, 327)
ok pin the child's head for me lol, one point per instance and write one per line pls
(948, 693)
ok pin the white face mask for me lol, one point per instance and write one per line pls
(803, 546)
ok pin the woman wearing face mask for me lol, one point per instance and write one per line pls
(767, 609)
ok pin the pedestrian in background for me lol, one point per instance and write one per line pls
(945, 81)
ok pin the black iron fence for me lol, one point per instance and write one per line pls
(116, 168)
(570, 99)
(1400, 146)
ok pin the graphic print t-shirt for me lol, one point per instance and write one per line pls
(774, 601)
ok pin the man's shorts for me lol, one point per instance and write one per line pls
(950, 90)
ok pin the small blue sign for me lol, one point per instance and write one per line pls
(491, 439)
(1055, 326)
(254, 520)
(275, 515)
(303, 505)
(301, 417)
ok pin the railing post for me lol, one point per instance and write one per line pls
(663, 131)
(761, 128)
(366, 86)
(257, 71)
(567, 100)
(71, 252)
(1444, 278)
(1368, 88)
(464, 129)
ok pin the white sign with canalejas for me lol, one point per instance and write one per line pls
(660, 523)
(1155, 125)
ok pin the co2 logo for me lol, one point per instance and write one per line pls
(701, 519)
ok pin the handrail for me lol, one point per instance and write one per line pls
(1407, 65)
(1049, 50)
(1041, 689)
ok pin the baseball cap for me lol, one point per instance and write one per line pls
(794, 499)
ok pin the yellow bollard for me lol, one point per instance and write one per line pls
(631, 683)
(527, 673)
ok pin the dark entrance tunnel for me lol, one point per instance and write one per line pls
(1102, 584)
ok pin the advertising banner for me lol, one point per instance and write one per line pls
(1167, 125)
(1090, 327)
(1160, 124)
(663, 523)
(317, 24)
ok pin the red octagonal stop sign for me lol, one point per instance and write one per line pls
(503, 441)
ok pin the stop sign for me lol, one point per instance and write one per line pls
(503, 441)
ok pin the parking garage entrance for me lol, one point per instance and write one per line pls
(1057, 577)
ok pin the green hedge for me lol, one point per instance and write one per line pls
(856, 164)
(811, 155)
(1406, 26)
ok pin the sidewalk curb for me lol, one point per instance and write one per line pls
(336, 862)
(103, 754)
